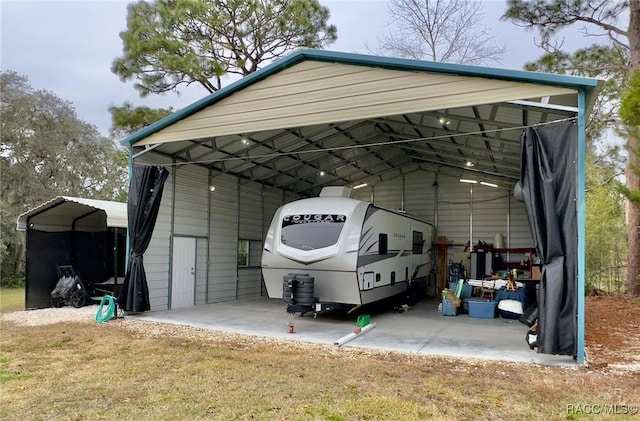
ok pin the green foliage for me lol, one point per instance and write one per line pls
(595, 61)
(127, 120)
(169, 43)
(12, 282)
(630, 103)
(47, 151)
(630, 115)
(605, 226)
(610, 60)
(549, 17)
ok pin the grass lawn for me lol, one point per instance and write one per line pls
(11, 299)
(134, 370)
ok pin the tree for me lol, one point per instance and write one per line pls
(440, 30)
(597, 19)
(605, 225)
(630, 115)
(127, 120)
(169, 43)
(47, 151)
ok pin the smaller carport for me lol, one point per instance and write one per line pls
(88, 234)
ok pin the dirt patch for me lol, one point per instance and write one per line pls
(613, 331)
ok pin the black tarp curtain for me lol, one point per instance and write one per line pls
(145, 194)
(548, 178)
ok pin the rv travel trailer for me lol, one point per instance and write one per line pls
(332, 251)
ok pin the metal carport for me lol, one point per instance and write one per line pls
(318, 118)
(87, 234)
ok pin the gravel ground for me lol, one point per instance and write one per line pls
(48, 316)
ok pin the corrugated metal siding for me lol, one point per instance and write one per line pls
(247, 212)
(315, 93)
(251, 228)
(201, 271)
(272, 200)
(490, 213)
(227, 210)
(250, 212)
(419, 195)
(519, 226)
(223, 236)
(249, 285)
(494, 210)
(190, 219)
(453, 210)
(192, 188)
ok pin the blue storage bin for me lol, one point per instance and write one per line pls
(480, 307)
(448, 309)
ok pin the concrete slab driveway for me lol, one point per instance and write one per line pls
(420, 330)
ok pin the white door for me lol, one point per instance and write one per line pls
(183, 274)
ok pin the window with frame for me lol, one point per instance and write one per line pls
(418, 242)
(382, 244)
(243, 253)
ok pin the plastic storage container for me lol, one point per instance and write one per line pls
(480, 307)
(448, 309)
(467, 289)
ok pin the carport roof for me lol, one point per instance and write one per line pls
(317, 118)
(60, 212)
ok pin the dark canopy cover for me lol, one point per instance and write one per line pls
(548, 178)
(145, 194)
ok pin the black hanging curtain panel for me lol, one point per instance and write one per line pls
(145, 194)
(548, 178)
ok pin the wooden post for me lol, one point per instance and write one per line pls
(443, 272)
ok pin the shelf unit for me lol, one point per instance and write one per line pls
(506, 254)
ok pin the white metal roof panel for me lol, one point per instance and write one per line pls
(59, 214)
(312, 93)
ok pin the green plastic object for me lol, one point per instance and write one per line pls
(363, 320)
(459, 287)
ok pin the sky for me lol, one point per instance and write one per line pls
(67, 47)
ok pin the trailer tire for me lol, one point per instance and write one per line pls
(304, 288)
(302, 296)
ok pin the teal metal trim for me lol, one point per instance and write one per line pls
(574, 82)
(581, 211)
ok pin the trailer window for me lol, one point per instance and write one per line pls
(382, 243)
(310, 232)
(418, 242)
